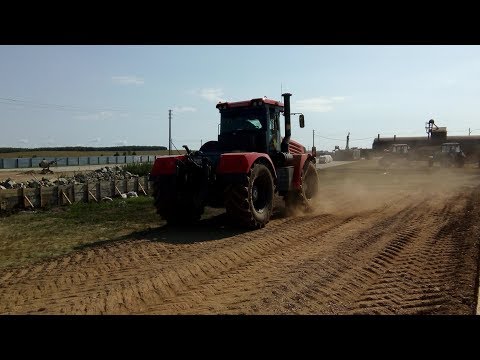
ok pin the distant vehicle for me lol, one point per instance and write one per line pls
(396, 152)
(450, 154)
(324, 159)
(45, 165)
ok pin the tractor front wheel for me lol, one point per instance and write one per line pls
(304, 198)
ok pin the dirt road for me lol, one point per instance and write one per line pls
(405, 241)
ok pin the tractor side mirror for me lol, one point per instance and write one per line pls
(301, 118)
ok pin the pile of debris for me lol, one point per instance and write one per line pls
(104, 174)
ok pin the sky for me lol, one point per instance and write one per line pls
(106, 95)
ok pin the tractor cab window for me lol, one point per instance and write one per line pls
(451, 148)
(242, 121)
(274, 129)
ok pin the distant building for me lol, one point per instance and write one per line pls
(428, 144)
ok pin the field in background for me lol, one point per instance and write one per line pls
(41, 154)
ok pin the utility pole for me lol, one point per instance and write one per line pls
(313, 139)
(348, 139)
(469, 132)
(169, 132)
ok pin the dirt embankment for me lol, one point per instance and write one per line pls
(403, 241)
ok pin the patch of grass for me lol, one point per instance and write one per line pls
(31, 236)
(138, 169)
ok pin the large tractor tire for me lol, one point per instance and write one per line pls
(304, 199)
(251, 204)
(176, 208)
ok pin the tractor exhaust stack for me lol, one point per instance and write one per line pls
(286, 113)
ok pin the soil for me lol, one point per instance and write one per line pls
(396, 241)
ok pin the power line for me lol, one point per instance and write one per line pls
(75, 108)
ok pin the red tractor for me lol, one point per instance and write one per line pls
(241, 171)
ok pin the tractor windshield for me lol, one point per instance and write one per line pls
(242, 119)
(451, 148)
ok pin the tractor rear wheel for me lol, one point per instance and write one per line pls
(251, 203)
(176, 208)
(304, 198)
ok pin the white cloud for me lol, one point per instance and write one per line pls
(127, 80)
(121, 142)
(211, 94)
(318, 104)
(95, 140)
(23, 141)
(95, 116)
(180, 109)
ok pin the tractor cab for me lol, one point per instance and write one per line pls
(250, 126)
(400, 148)
(451, 148)
(450, 154)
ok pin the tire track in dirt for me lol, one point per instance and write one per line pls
(240, 280)
(286, 280)
(409, 251)
(204, 296)
(431, 276)
(108, 266)
(146, 276)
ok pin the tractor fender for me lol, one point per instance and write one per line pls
(299, 161)
(241, 163)
(166, 165)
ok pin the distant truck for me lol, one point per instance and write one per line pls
(394, 154)
(449, 155)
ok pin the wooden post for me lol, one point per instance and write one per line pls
(35, 178)
(145, 181)
(72, 192)
(66, 197)
(98, 190)
(135, 184)
(85, 192)
(116, 188)
(28, 200)
(57, 193)
(38, 196)
(141, 187)
(41, 196)
(93, 196)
